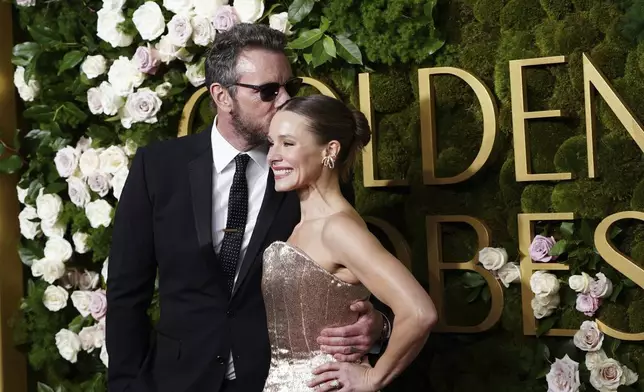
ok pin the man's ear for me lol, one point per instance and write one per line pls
(221, 97)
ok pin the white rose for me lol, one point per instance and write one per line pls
(207, 8)
(81, 300)
(104, 356)
(29, 229)
(105, 268)
(99, 335)
(589, 337)
(130, 147)
(609, 375)
(544, 284)
(141, 106)
(124, 76)
(178, 6)
(113, 4)
(113, 159)
(118, 182)
(78, 191)
(94, 66)
(22, 194)
(59, 249)
(88, 338)
(56, 229)
(88, 280)
(99, 182)
(107, 28)
(180, 30)
(163, 89)
(95, 101)
(149, 21)
(27, 91)
(83, 144)
(563, 376)
(66, 161)
(89, 161)
(80, 242)
(203, 32)
(545, 306)
(26, 3)
(99, 213)
(580, 283)
(493, 258)
(509, 273)
(55, 298)
(196, 73)
(249, 11)
(48, 206)
(111, 102)
(68, 344)
(50, 270)
(280, 22)
(166, 50)
(602, 287)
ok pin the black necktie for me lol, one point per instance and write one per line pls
(236, 221)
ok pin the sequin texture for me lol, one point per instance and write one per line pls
(301, 299)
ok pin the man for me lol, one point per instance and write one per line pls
(201, 209)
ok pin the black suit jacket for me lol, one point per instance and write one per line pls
(164, 222)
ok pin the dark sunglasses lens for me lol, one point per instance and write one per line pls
(269, 91)
(293, 86)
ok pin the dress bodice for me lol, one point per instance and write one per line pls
(301, 299)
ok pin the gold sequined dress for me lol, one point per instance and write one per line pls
(301, 299)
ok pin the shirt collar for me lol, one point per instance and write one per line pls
(223, 152)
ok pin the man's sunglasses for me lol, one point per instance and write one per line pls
(269, 91)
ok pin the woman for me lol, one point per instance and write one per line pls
(331, 259)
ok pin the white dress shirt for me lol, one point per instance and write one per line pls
(223, 155)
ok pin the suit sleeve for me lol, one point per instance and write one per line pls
(130, 279)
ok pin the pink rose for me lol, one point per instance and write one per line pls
(98, 304)
(587, 304)
(540, 247)
(146, 60)
(225, 18)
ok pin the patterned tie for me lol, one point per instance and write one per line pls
(236, 222)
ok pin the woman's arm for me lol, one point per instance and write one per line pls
(353, 246)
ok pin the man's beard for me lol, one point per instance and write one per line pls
(253, 134)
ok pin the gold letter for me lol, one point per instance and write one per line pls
(427, 104)
(520, 117)
(620, 262)
(369, 156)
(437, 266)
(191, 107)
(594, 78)
(401, 247)
(526, 233)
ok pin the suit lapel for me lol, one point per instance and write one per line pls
(270, 206)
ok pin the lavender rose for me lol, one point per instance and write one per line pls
(98, 304)
(540, 247)
(589, 337)
(146, 59)
(587, 304)
(225, 18)
(563, 376)
(601, 287)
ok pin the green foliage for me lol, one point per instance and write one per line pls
(391, 92)
(536, 198)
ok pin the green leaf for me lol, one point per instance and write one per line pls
(559, 248)
(70, 60)
(546, 324)
(485, 294)
(628, 283)
(614, 232)
(74, 111)
(55, 187)
(614, 346)
(43, 35)
(319, 54)
(269, 13)
(329, 46)
(348, 50)
(32, 191)
(24, 53)
(44, 388)
(616, 291)
(11, 164)
(308, 57)
(546, 352)
(300, 9)
(429, 7)
(59, 143)
(61, 388)
(567, 229)
(472, 279)
(543, 372)
(30, 253)
(348, 77)
(306, 39)
(474, 294)
(324, 24)
(586, 232)
(76, 324)
(1, 149)
(39, 113)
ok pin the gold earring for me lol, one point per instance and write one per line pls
(329, 161)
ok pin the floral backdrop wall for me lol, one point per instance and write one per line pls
(97, 79)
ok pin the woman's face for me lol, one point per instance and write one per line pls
(295, 155)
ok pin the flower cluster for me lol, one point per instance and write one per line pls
(590, 292)
(495, 260)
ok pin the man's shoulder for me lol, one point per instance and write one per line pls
(181, 149)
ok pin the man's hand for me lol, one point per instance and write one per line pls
(350, 343)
